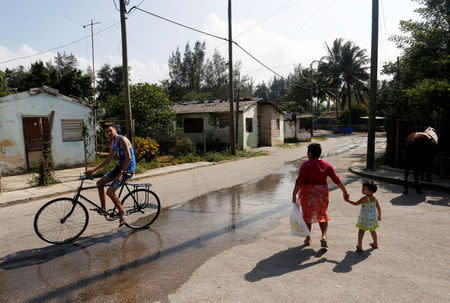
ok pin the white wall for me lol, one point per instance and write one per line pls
(289, 129)
(12, 146)
(248, 139)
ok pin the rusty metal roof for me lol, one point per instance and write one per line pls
(210, 107)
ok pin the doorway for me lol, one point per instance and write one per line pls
(35, 131)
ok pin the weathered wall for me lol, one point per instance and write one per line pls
(270, 134)
(289, 129)
(12, 146)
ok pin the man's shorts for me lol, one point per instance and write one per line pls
(113, 173)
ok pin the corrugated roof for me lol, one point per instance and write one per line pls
(44, 89)
(213, 107)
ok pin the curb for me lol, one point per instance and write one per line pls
(423, 184)
(72, 190)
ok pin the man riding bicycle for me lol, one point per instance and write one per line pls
(124, 171)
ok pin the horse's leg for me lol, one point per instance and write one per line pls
(405, 184)
(417, 171)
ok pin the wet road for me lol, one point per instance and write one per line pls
(148, 265)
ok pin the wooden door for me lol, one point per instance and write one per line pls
(36, 130)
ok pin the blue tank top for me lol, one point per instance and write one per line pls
(120, 153)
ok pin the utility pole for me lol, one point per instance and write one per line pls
(93, 81)
(312, 106)
(373, 88)
(126, 88)
(230, 82)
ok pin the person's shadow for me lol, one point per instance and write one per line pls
(284, 262)
(351, 258)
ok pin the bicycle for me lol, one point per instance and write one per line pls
(63, 220)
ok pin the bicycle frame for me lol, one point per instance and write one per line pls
(78, 195)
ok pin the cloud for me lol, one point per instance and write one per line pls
(143, 71)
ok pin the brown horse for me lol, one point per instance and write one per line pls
(421, 147)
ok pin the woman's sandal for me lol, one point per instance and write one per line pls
(374, 245)
(308, 241)
(359, 248)
(323, 242)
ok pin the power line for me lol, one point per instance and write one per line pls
(179, 24)
(214, 36)
(58, 47)
(257, 60)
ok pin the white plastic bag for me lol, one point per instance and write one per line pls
(298, 225)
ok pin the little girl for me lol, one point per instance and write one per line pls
(370, 213)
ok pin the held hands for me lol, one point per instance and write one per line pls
(346, 196)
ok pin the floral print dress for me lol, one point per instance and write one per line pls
(368, 217)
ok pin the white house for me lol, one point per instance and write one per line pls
(25, 120)
(260, 123)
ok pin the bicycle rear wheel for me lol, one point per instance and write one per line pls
(61, 221)
(142, 207)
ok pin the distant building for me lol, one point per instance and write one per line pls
(25, 120)
(260, 122)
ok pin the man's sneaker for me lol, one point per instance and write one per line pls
(123, 220)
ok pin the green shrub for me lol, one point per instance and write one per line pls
(183, 146)
(146, 149)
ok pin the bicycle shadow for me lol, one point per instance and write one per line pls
(43, 255)
(285, 262)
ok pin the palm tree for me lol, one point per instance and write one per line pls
(345, 66)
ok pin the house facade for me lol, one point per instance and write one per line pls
(260, 123)
(29, 118)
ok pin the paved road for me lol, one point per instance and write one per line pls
(207, 245)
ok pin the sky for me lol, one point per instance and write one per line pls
(280, 33)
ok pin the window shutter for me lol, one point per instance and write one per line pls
(71, 130)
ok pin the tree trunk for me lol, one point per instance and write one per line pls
(349, 100)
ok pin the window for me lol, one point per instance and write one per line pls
(278, 123)
(71, 130)
(249, 125)
(193, 125)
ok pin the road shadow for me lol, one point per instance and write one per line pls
(284, 262)
(43, 255)
(410, 199)
(351, 258)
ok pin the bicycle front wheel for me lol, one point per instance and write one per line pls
(142, 207)
(61, 221)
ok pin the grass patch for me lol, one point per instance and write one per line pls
(318, 138)
(162, 161)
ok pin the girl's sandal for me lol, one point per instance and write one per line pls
(359, 248)
(374, 245)
(307, 241)
(323, 242)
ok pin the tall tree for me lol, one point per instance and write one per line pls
(110, 82)
(262, 91)
(216, 76)
(346, 66)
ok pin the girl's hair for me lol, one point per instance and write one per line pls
(371, 185)
(315, 149)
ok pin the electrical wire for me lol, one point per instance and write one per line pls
(214, 36)
(177, 23)
(58, 47)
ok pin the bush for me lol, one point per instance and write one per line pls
(146, 149)
(183, 146)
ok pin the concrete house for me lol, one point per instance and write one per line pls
(260, 123)
(28, 118)
(297, 126)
